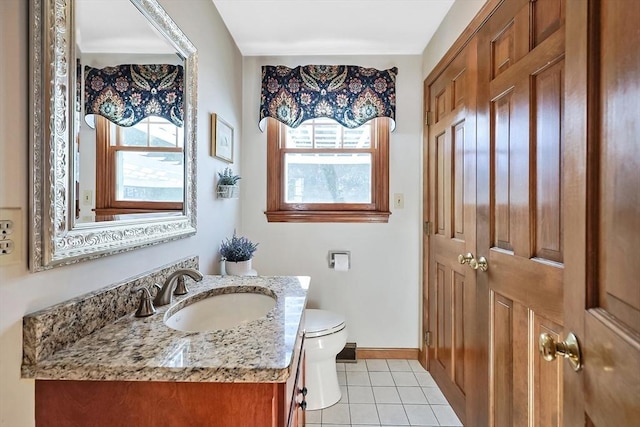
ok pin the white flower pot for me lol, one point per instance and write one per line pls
(240, 268)
(228, 191)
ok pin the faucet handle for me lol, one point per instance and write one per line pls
(146, 307)
(181, 287)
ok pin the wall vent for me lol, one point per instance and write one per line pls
(348, 353)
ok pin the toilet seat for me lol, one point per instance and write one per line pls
(319, 323)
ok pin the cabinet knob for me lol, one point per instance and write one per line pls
(304, 391)
(303, 405)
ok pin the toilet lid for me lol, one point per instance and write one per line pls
(318, 323)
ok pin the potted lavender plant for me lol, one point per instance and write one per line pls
(237, 253)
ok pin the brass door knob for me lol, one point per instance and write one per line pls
(465, 259)
(569, 348)
(481, 264)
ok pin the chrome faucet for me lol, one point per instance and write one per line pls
(166, 292)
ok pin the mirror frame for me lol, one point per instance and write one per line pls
(54, 240)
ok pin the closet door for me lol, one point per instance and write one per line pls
(520, 207)
(451, 188)
(602, 300)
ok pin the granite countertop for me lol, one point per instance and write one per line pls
(145, 349)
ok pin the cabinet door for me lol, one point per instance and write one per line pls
(299, 404)
(292, 398)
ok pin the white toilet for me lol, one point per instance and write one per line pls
(325, 337)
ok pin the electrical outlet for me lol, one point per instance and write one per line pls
(11, 235)
(6, 227)
(398, 200)
(6, 246)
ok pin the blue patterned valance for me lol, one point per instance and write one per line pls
(348, 94)
(126, 94)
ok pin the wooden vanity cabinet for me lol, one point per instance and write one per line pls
(151, 403)
(297, 403)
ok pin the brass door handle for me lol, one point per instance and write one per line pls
(465, 259)
(569, 348)
(481, 264)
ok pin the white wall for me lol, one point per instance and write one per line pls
(219, 90)
(456, 20)
(380, 295)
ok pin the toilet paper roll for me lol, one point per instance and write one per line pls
(341, 262)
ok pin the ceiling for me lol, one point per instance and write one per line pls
(332, 27)
(116, 26)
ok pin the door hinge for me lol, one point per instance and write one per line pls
(427, 228)
(427, 338)
(428, 118)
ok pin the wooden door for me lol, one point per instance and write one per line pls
(520, 206)
(451, 287)
(602, 161)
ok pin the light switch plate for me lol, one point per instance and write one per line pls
(11, 236)
(398, 200)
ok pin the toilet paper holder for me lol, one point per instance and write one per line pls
(332, 260)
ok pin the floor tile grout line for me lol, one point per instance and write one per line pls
(395, 386)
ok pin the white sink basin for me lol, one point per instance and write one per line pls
(220, 311)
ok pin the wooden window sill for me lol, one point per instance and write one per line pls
(328, 216)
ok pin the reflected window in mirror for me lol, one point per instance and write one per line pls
(140, 168)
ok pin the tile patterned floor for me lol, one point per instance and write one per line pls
(378, 392)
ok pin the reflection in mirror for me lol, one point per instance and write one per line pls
(113, 140)
(129, 122)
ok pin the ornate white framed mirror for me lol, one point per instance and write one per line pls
(95, 174)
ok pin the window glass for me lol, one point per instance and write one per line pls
(150, 176)
(358, 137)
(134, 136)
(328, 178)
(152, 132)
(324, 163)
(328, 134)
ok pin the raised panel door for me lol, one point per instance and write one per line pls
(451, 295)
(521, 229)
(603, 212)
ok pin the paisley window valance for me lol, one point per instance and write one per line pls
(126, 94)
(348, 94)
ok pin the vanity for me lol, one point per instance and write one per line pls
(139, 371)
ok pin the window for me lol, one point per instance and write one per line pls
(140, 168)
(322, 171)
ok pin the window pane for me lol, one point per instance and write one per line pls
(327, 136)
(134, 136)
(299, 137)
(149, 176)
(359, 137)
(328, 178)
(157, 132)
(165, 135)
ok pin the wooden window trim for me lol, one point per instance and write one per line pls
(377, 211)
(105, 177)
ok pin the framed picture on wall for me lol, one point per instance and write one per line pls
(221, 139)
